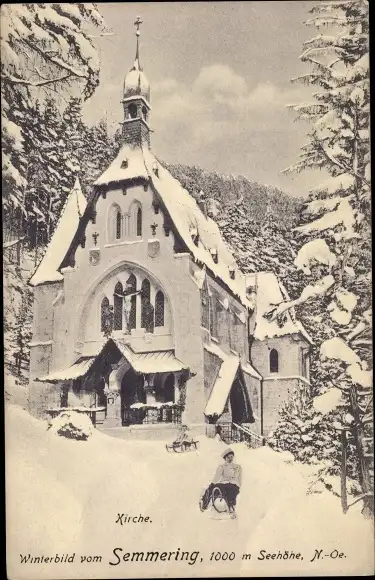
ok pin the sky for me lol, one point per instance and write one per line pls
(220, 83)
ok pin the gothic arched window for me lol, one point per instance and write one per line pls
(104, 308)
(131, 287)
(159, 308)
(147, 309)
(139, 222)
(114, 224)
(274, 361)
(118, 225)
(118, 298)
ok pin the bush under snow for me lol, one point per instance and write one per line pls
(72, 425)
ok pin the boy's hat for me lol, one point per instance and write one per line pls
(226, 452)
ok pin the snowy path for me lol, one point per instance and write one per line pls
(64, 497)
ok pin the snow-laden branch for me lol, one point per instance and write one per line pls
(332, 159)
(343, 215)
(314, 251)
(309, 292)
(53, 58)
(17, 81)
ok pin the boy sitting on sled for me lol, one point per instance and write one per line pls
(183, 437)
(228, 478)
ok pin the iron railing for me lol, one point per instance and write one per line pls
(151, 415)
(243, 433)
(234, 433)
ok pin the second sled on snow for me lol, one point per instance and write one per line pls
(178, 447)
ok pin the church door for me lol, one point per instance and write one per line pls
(239, 403)
(169, 389)
(132, 391)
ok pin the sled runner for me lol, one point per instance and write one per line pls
(178, 447)
(218, 501)
(218, 508)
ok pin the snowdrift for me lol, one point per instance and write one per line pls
(65, 496)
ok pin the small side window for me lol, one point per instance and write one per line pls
(274, 361)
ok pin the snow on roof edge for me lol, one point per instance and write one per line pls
(47, 269)
(271, 291)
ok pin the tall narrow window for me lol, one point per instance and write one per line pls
(118, 299)
(104, 308)
(232, 330)
(304, 363)
(147, 309)
(114, 224)
(118, 225)
(159, 309)
(139, 222)
(205, 307)
(274, 361)
(213, 317)
(131, 303)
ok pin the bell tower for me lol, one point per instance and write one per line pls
(136, 102)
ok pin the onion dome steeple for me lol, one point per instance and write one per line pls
(136, 101)
(135, 82)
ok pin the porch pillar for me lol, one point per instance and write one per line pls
(113, 393)
(113, 418)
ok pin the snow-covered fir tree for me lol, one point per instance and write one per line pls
(334, 234)
(45, 47)
(41, 131)
(14, 163)
(100, 149)
(71, 145)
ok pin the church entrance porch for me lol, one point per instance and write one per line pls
(129, 388)
(228, 409)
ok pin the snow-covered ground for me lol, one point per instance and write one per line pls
(64, 497)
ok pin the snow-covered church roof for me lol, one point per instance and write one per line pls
(269, 293)
(199, 232)
(48, 268)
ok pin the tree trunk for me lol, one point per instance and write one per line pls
(344, 496)
(363, 465)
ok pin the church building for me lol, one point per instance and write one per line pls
(141, 314)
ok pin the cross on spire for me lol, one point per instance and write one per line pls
(137, 23)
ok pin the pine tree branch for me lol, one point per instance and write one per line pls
(50, 58)
(359, 498)
(17, 81)
(342, 166)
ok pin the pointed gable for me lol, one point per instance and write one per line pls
(48, 268)
(200, 233)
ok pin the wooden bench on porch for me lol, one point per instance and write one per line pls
(96, 414)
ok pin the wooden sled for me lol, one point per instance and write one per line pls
(182, 447)
(219, 509)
